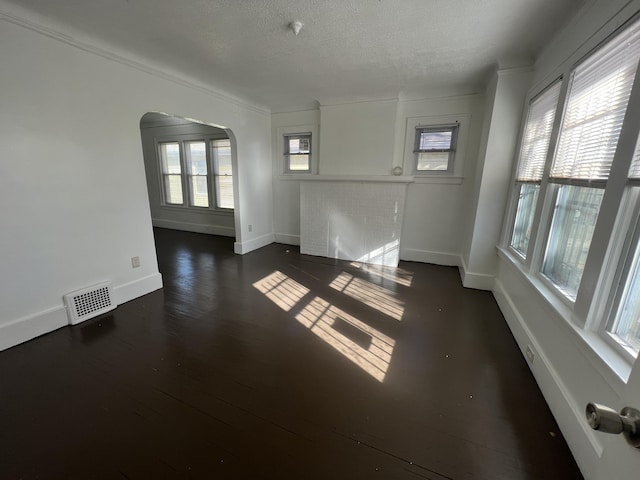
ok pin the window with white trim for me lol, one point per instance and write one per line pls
(435, 148)
(297, 153)
(533, 156)
(596, 104)
(222, 172)
(196, 173)
(578, 217)
(623, 320)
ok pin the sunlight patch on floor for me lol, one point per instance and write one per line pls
(397, 275)
(281, 290)
(321, 317)
(376, 297)
(365, 346)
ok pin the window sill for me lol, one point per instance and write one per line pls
(613, 367)
(225, 212)
(352, 178)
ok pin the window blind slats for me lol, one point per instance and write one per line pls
(435, 140)
(597, 103)
(537, 134)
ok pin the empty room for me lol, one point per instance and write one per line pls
(289, 239)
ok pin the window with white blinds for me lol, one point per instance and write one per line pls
(533, 156)
(596, 106)
(588, 226)
(537, 134)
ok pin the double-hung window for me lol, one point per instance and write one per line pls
(583, 183)
(196, 173)
(596, 104)
(171, 167)
(222, 172)
(297, 153)
(434, 149)
(533, 156)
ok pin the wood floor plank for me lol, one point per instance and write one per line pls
(279, 365)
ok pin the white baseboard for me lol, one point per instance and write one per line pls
(194, 227)
(137, 288)
(569, 414)
(477, 281)
(426, 256)
(245, 247)
(288, 239)
(32, 326)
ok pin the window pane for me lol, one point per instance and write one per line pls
(197, 158)
(299, 162)
(433, 161)
(574, 220)
(298, 144)
(224, 189)
(173, 189)
(537, 134)
(527, 199)
(223, 173)
(435, 140)
(598, 97)
(170, 158)
(222, 157)
(627, 322)
(199, 191)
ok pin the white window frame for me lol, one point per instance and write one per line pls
(615, 240)
(183, 140)
(518, 183)
(451, 151)
(280, 166)
(454, 174)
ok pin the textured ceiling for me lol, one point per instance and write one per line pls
(348, 50)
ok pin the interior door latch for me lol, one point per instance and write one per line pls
(605, 419)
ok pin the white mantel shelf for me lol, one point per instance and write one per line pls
(356, 178)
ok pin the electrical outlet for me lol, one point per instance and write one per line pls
(135, 262)
(250, 227)
(530, 355)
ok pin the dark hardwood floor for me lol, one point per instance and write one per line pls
(275, 365)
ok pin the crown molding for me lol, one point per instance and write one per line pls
(115, 57)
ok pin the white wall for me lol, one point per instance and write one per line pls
(286, 188)
(215, 222)
(501, 126)
(436, 213)
(434, 217)
(72, 180)
(567, 369)
(358, 138)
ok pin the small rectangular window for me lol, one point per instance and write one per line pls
(171, 172)
(297, 153)
(435, 148)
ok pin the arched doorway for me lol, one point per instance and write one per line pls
(191, 171)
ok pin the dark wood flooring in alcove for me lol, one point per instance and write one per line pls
(276, 365)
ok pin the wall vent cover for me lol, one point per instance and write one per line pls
(89, 302)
